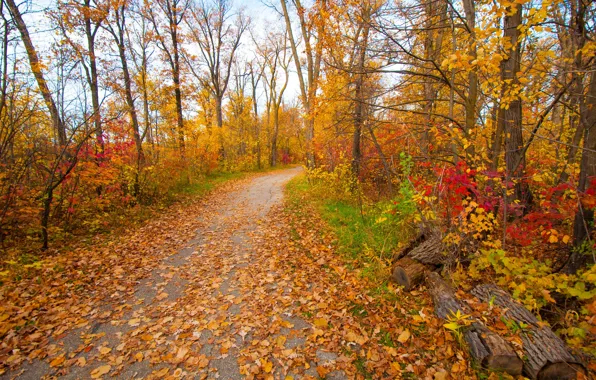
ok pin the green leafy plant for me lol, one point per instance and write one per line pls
(457, 322)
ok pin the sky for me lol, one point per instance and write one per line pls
(263, 17)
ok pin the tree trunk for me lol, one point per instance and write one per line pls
(313, 58)
(436, 14)
(273, 158)
(179, 117)
(176, 78)
(36, 66)
(93, 76)
(120, 42)
(583, 224)
(472, 98)
(547, 356)
(359, 106)
(511, 111)
(386, 166)
(577, 36)
(487, 348)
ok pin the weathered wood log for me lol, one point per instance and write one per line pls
(431, 251)
(486, 347)
(411, 245)
(546, 355)
(408, 272)
(424, 253)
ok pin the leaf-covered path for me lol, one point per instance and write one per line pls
(252, 295)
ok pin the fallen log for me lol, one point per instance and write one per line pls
(546, 355)
(422, 254)
(431, 251)
(408, 272)
(486, 347)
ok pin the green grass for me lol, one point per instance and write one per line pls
(206, 184)
(351, 230)
(359, 238)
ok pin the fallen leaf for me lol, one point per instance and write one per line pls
(404, 336)
(280, 341)
(161, 372)
(356, 338)
(57, 361)
(267, 366)
(323, 371)
(182, 351)
(321, 322)
(100, 371)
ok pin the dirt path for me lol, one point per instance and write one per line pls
(195, 307)
(243, 299)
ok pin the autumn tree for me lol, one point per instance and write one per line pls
(117, 27)
(217, 30)
(36, 68)
(311, 26)
(255, 72)
(276, 58)
(167, 16)
(85, 17)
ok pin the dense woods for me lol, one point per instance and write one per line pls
(473, 119)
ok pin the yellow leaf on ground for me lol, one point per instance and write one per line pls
(100, 371)
(287, 324)
(139, 356)
(321, 322)
(105, 350)
(280, 341)
(182, 351)
(57, 361)
(356, 338)
(267, 366)
(404, 336)
(161, 372)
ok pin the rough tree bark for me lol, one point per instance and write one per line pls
(359, 93)
(424, 253)
(546, 355)
(487, 348)
(583, 224)
(511, 109)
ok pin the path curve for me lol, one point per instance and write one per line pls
(193, 317)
